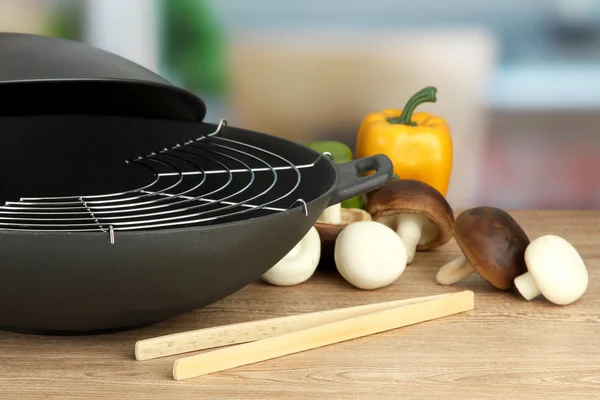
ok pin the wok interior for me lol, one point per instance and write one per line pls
(56, 155)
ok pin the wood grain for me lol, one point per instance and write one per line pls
(506, 348)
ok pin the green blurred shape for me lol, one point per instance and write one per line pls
(341, 153)
(193, 45)
(65, 20)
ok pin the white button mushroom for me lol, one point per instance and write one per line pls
(299, 264)
(329, 227)
(555, 269)
(369, 255)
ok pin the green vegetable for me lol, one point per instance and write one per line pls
(354, 202)
(341, 153)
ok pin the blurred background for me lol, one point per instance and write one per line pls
(518, 80)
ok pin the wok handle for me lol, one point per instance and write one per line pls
(351, 183)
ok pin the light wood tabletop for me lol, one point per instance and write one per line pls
(506, 348)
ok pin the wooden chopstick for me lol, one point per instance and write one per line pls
(244, 332)
(323, 335)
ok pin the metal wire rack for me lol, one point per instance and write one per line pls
(207, 179)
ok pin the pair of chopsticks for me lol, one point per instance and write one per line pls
(262, 340)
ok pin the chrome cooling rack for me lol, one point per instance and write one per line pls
(207, 179)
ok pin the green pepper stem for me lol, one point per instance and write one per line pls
(424, 95)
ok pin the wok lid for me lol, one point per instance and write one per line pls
(47, 75)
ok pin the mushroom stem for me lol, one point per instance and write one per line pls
(527, 286)
(332, 214)
(454, 271)
(409, 229)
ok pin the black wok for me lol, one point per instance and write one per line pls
(124, 208)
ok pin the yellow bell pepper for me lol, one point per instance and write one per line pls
(418, 143)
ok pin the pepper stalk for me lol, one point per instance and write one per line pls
(424, 95)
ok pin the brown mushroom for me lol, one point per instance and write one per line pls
(329, 225)
(418, 213)
(493, 245)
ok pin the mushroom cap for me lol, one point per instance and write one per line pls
(407, 196)
(329, 232)
(557, 268)
(369, 255)
(494, 243)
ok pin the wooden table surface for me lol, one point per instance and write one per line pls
(507, 348)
